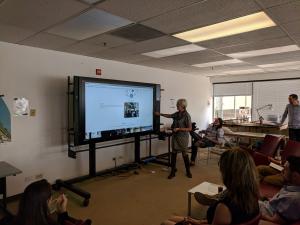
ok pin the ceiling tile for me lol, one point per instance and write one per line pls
(128, 58)
(202, 14)
(88, 24)
(83, 48)
(270, 3)
(152, 45)
(244, 38)
(286, 12)
(292, 27)
(110, 53)
(47, 41)
(270, 43)
(197, 57)
(107, 40)
(38, 14)
(137, 32)
(164, 64)
(13, 34)
(276, 58)
(139, 10)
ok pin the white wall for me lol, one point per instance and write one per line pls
(39, 143)
(252, 77)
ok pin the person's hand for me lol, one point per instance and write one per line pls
(156, 113)
(269, 158)
(175, 130)
(194, 221)
(62, 202)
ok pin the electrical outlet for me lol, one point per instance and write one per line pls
(120, 157)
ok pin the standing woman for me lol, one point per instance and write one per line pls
(181, 127)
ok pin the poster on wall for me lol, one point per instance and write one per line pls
(21, 107)
(5, 122)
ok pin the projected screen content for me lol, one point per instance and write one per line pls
(117, 109)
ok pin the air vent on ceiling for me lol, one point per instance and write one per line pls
(137, 32)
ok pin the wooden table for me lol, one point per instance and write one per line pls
(267, 128)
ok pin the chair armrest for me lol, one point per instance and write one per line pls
(260, 159)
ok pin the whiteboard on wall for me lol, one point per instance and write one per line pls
(275, 93)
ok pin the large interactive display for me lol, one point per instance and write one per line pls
(111, 109)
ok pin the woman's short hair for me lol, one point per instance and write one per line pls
(182, 102)
(240, 178)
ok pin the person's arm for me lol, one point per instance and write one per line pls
(271, 159)
(222, 215)
(284, 115)
(196, 222)
(183, 129)
(274, 219)
(163, 114)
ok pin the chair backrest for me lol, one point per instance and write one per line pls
(291, 148)
(270, 145)
(254, 221)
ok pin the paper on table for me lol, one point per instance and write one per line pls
(276, 167)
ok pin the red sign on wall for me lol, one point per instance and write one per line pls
(98, 72)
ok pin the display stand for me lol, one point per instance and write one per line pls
(72, 152)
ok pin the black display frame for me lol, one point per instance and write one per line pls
(79, 109)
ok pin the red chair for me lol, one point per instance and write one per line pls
(291, 148)
(269, 147)
(254, 221)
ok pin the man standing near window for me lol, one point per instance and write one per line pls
(293, 111)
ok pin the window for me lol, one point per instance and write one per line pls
(232, 107)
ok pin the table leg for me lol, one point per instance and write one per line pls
(3, 191)
(189, 203)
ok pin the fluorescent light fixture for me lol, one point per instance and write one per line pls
(283, 64)
(278, 69)
(239, 25)
(266, 51)
(174, 51)
(218, 63)
(248, 71)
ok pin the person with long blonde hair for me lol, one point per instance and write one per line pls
(239, 202)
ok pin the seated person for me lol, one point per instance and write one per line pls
(36, 204)
(239, 204)
(270, 175)
(284, 207)
(213, 135)
(265, 173)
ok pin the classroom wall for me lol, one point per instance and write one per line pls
(39, 144)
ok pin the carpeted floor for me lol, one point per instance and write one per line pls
(144, 199)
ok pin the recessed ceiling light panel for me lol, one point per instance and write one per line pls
(248, 71)
(218, 63)
(267, 51)
(174, 51)
(282, 64)
(239, 25)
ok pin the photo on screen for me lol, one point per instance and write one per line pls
(131, 109)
